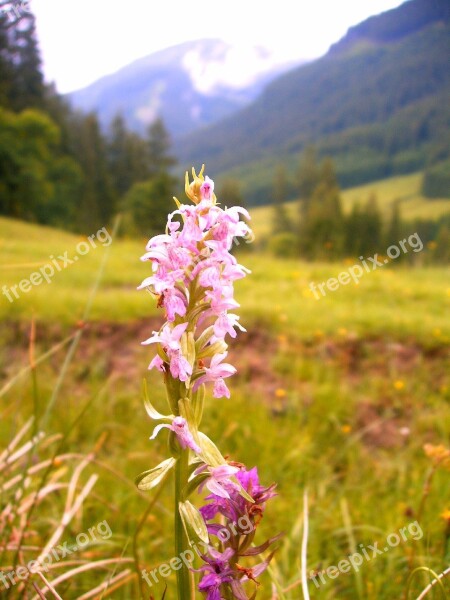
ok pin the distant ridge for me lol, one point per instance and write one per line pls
(189, 85)
(378, 102)
(395, 24)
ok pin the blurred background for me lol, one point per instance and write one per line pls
(330, 123)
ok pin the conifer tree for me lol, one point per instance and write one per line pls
(97, 202)
(21, 54)
(372, 227)
(442, 249)
(394, 230)
(322, 229)
(159, 149)
(281, 222)
(307, 179)
(231, 194)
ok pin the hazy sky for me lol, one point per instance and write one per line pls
(82, 40)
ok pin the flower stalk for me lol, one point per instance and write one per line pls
(193, 275)
(181, 541)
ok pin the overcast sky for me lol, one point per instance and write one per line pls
(82, 40)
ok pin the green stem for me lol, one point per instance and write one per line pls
(181, 541)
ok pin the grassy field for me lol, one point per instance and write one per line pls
(337, 396)
(405, 189)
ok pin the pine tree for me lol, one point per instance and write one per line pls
(147, 203)
(6, 70)
(27, 86)
(352, 235)
(323, 224)
(372, 227)
(327, 174)
(127, 157)
(159, 149)
(136, 152)
(230, 193)
(118, 156)
(281, 222)
(442, 249)
(307, 179)
(97, 202)
(394, 230)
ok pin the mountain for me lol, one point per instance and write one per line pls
(189, 85)
(378, 102)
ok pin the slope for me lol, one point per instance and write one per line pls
(378, 102)
(189, 85)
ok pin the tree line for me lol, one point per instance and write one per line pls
(57, 166)
(321, 230)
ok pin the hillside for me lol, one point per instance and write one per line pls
(378, 102)
(405, 189)
(189, 85)
(27, 248)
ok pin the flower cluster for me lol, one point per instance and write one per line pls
(193, 275)
(222, 570)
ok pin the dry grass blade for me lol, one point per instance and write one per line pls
(107, 587)
(84, 568)
(23, 431)
(49, 586)
(436, 581)
(68, 516)
(56, 348)
(21, 489)
(305, 546)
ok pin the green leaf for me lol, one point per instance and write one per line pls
(151, 411)
(173, 392)
(245, 494)
(162, 355)
(190, 347)
(187, 413)
(185, 351)
(184, 406)
(197, 402)
(210, 452)
(193, 484)
(204, 338)
(217, 348)
(150, 479)
(193, 522)
(194, 463)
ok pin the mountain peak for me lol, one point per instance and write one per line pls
(378, 103)
(215, 65)
(189, 85)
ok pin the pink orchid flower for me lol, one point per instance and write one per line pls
(180, 427)
(219, 479)
(216, 373)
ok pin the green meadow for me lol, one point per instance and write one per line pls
(335, 399)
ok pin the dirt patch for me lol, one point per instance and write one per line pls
(113, 350)
(378, 430)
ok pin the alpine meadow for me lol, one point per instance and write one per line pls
(224, 309)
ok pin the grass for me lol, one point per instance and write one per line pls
(338, 395)
(395, 301)
(405, 189)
